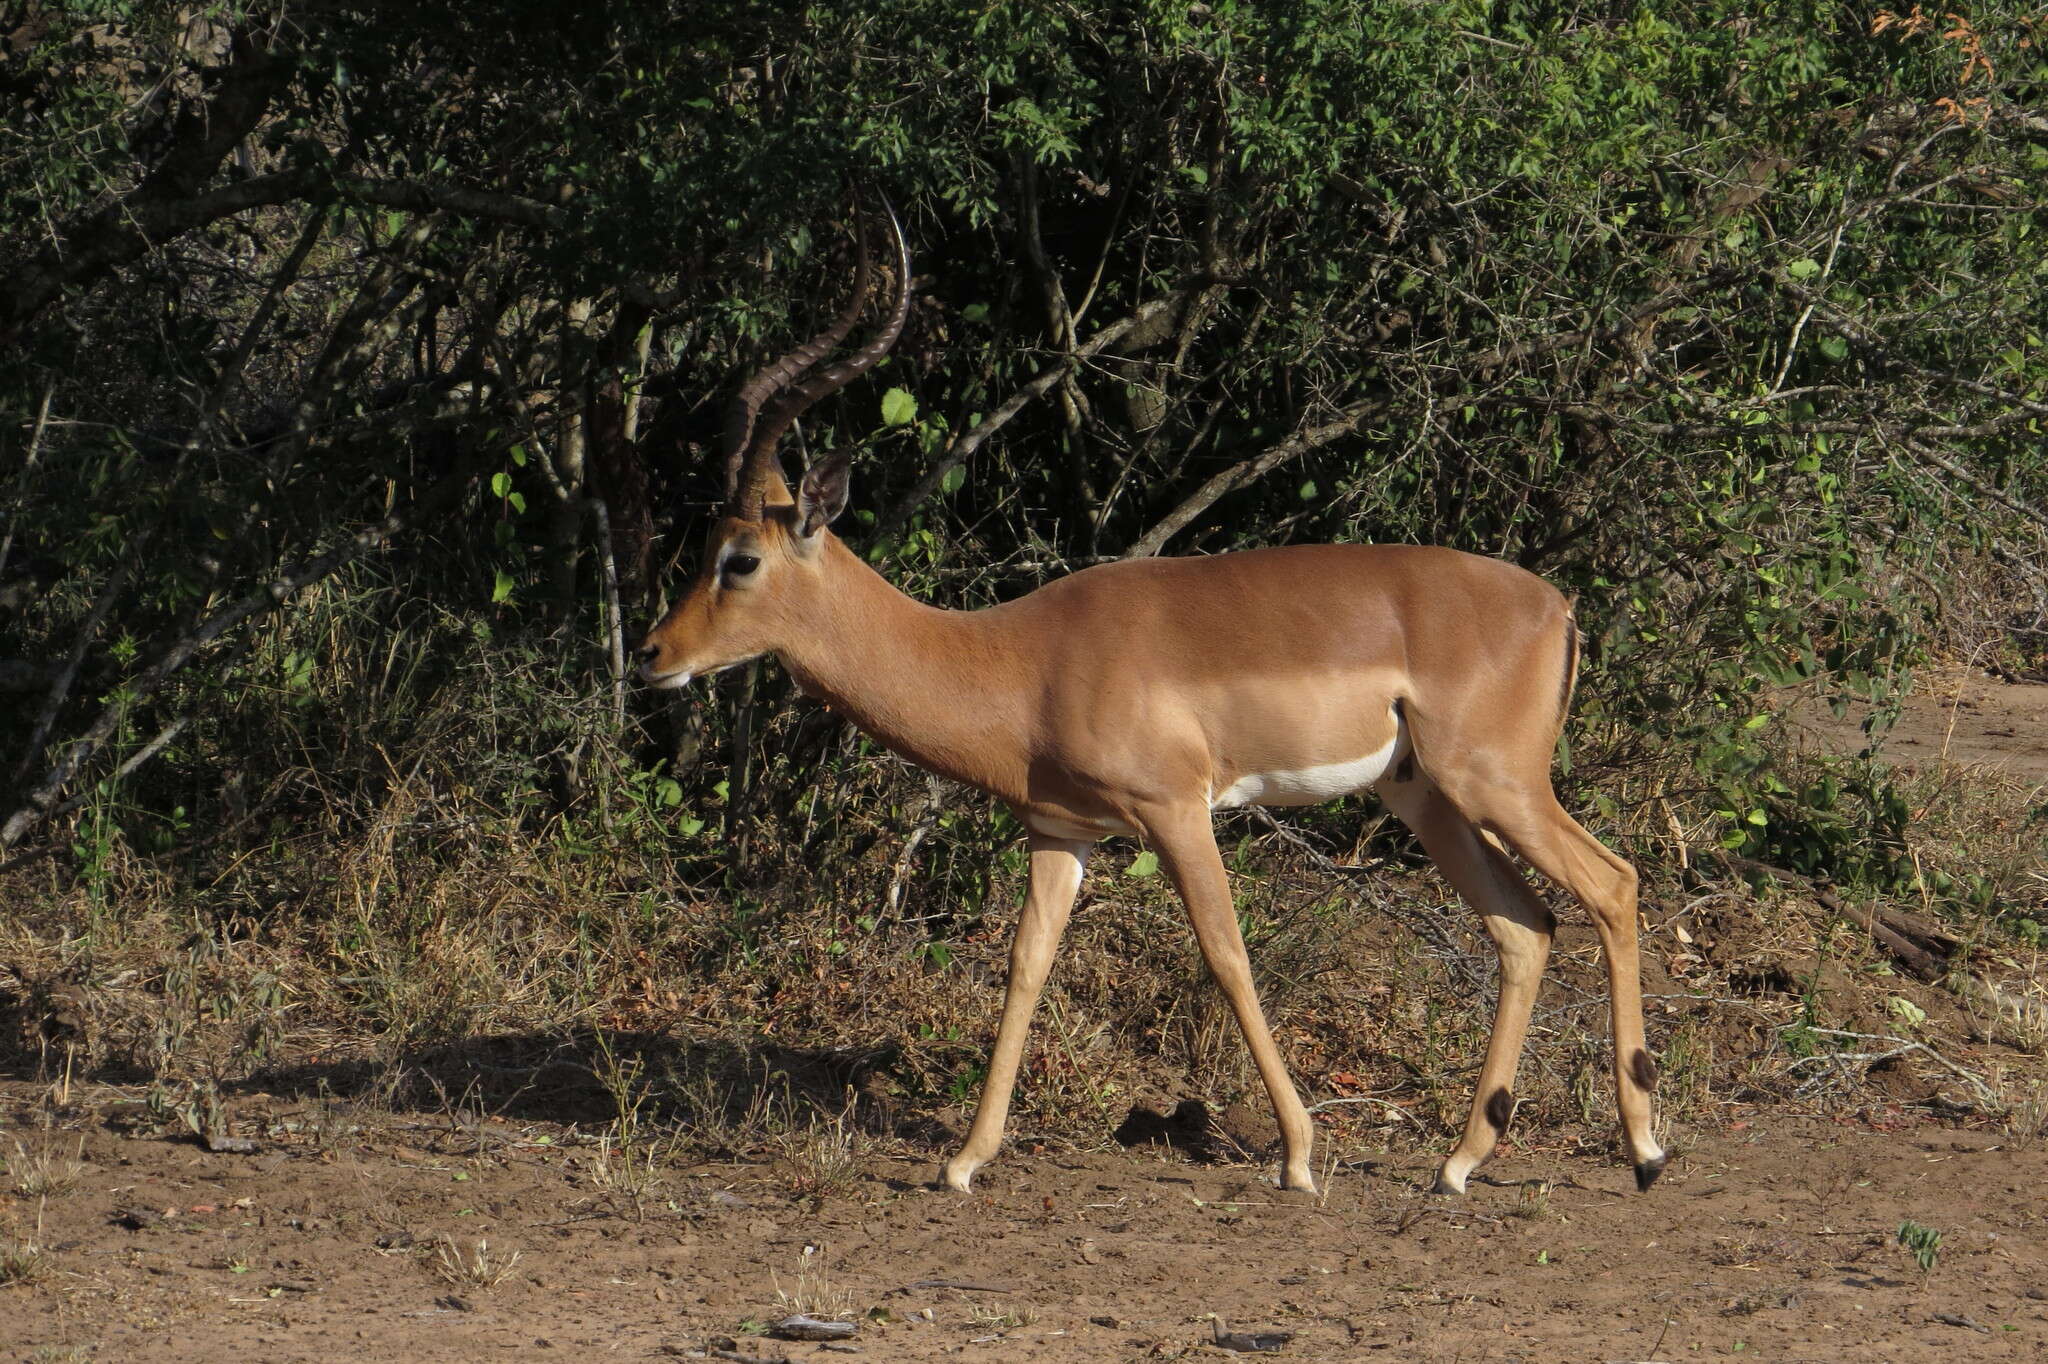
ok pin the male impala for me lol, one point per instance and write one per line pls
(1137, 697)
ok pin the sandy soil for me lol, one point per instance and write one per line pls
(1775, 1235)
(1956, 715)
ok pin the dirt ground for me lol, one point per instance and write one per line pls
(415, 1236)
(1773, 1236)
(1954, 715)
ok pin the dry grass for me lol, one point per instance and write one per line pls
(478, 1268)
(23, 1262)
(48, 1170)
(23, 1259)
(824, 1159)
(812, 1293)
(442, 939)
(2026, 1117)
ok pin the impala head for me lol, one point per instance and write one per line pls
(765, 557)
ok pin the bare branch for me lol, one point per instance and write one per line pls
(1348, 420)
(42, 802)
(972, 439)
(60, 687)
(120, 233)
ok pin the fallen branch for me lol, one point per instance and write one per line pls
(1920, 947)
(957, 1284)
(1896, 1047)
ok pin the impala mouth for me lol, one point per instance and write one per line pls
(683, 677)
(665, 681)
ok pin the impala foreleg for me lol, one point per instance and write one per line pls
(1056, 867)
(1186, 843)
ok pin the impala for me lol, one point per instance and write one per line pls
(1138, 697)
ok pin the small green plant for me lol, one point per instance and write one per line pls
(1532, 1200)
(1922, 1242)
(22, 1261)
(625, 1158)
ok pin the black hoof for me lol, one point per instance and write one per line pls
(1443, 1189)
(1647, 1172)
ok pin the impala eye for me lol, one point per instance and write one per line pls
(740, 565)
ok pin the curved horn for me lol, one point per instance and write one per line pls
(771, 379)
(769, 428)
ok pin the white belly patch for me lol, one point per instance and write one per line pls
(1313, 785)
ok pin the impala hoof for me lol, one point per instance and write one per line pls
(960, 1179)
(1446, 1185)
(1647, 1172)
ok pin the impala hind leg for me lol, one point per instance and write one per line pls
(1186, 843)
(1537, 827)
(1521, 926)
(1056, 867)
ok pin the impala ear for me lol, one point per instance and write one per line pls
(823, 494)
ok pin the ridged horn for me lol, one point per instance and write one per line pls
(793, 397)
(769, 380)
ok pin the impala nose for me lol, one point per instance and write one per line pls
(645, 655)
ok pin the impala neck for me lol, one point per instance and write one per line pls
(914, 677)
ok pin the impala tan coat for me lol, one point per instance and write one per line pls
(1134, 698)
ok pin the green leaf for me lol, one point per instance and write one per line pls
(1806, 267)
(501, 483)
(953, 479)
(501, 591)
(974, 312)
(898, 407)
(516, 501)
(1144, 864)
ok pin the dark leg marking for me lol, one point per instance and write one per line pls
(1500, 1106)
(1647, 1172)
(1643, 1070)
(1404, 770)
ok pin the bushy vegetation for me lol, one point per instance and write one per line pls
(364, 370)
